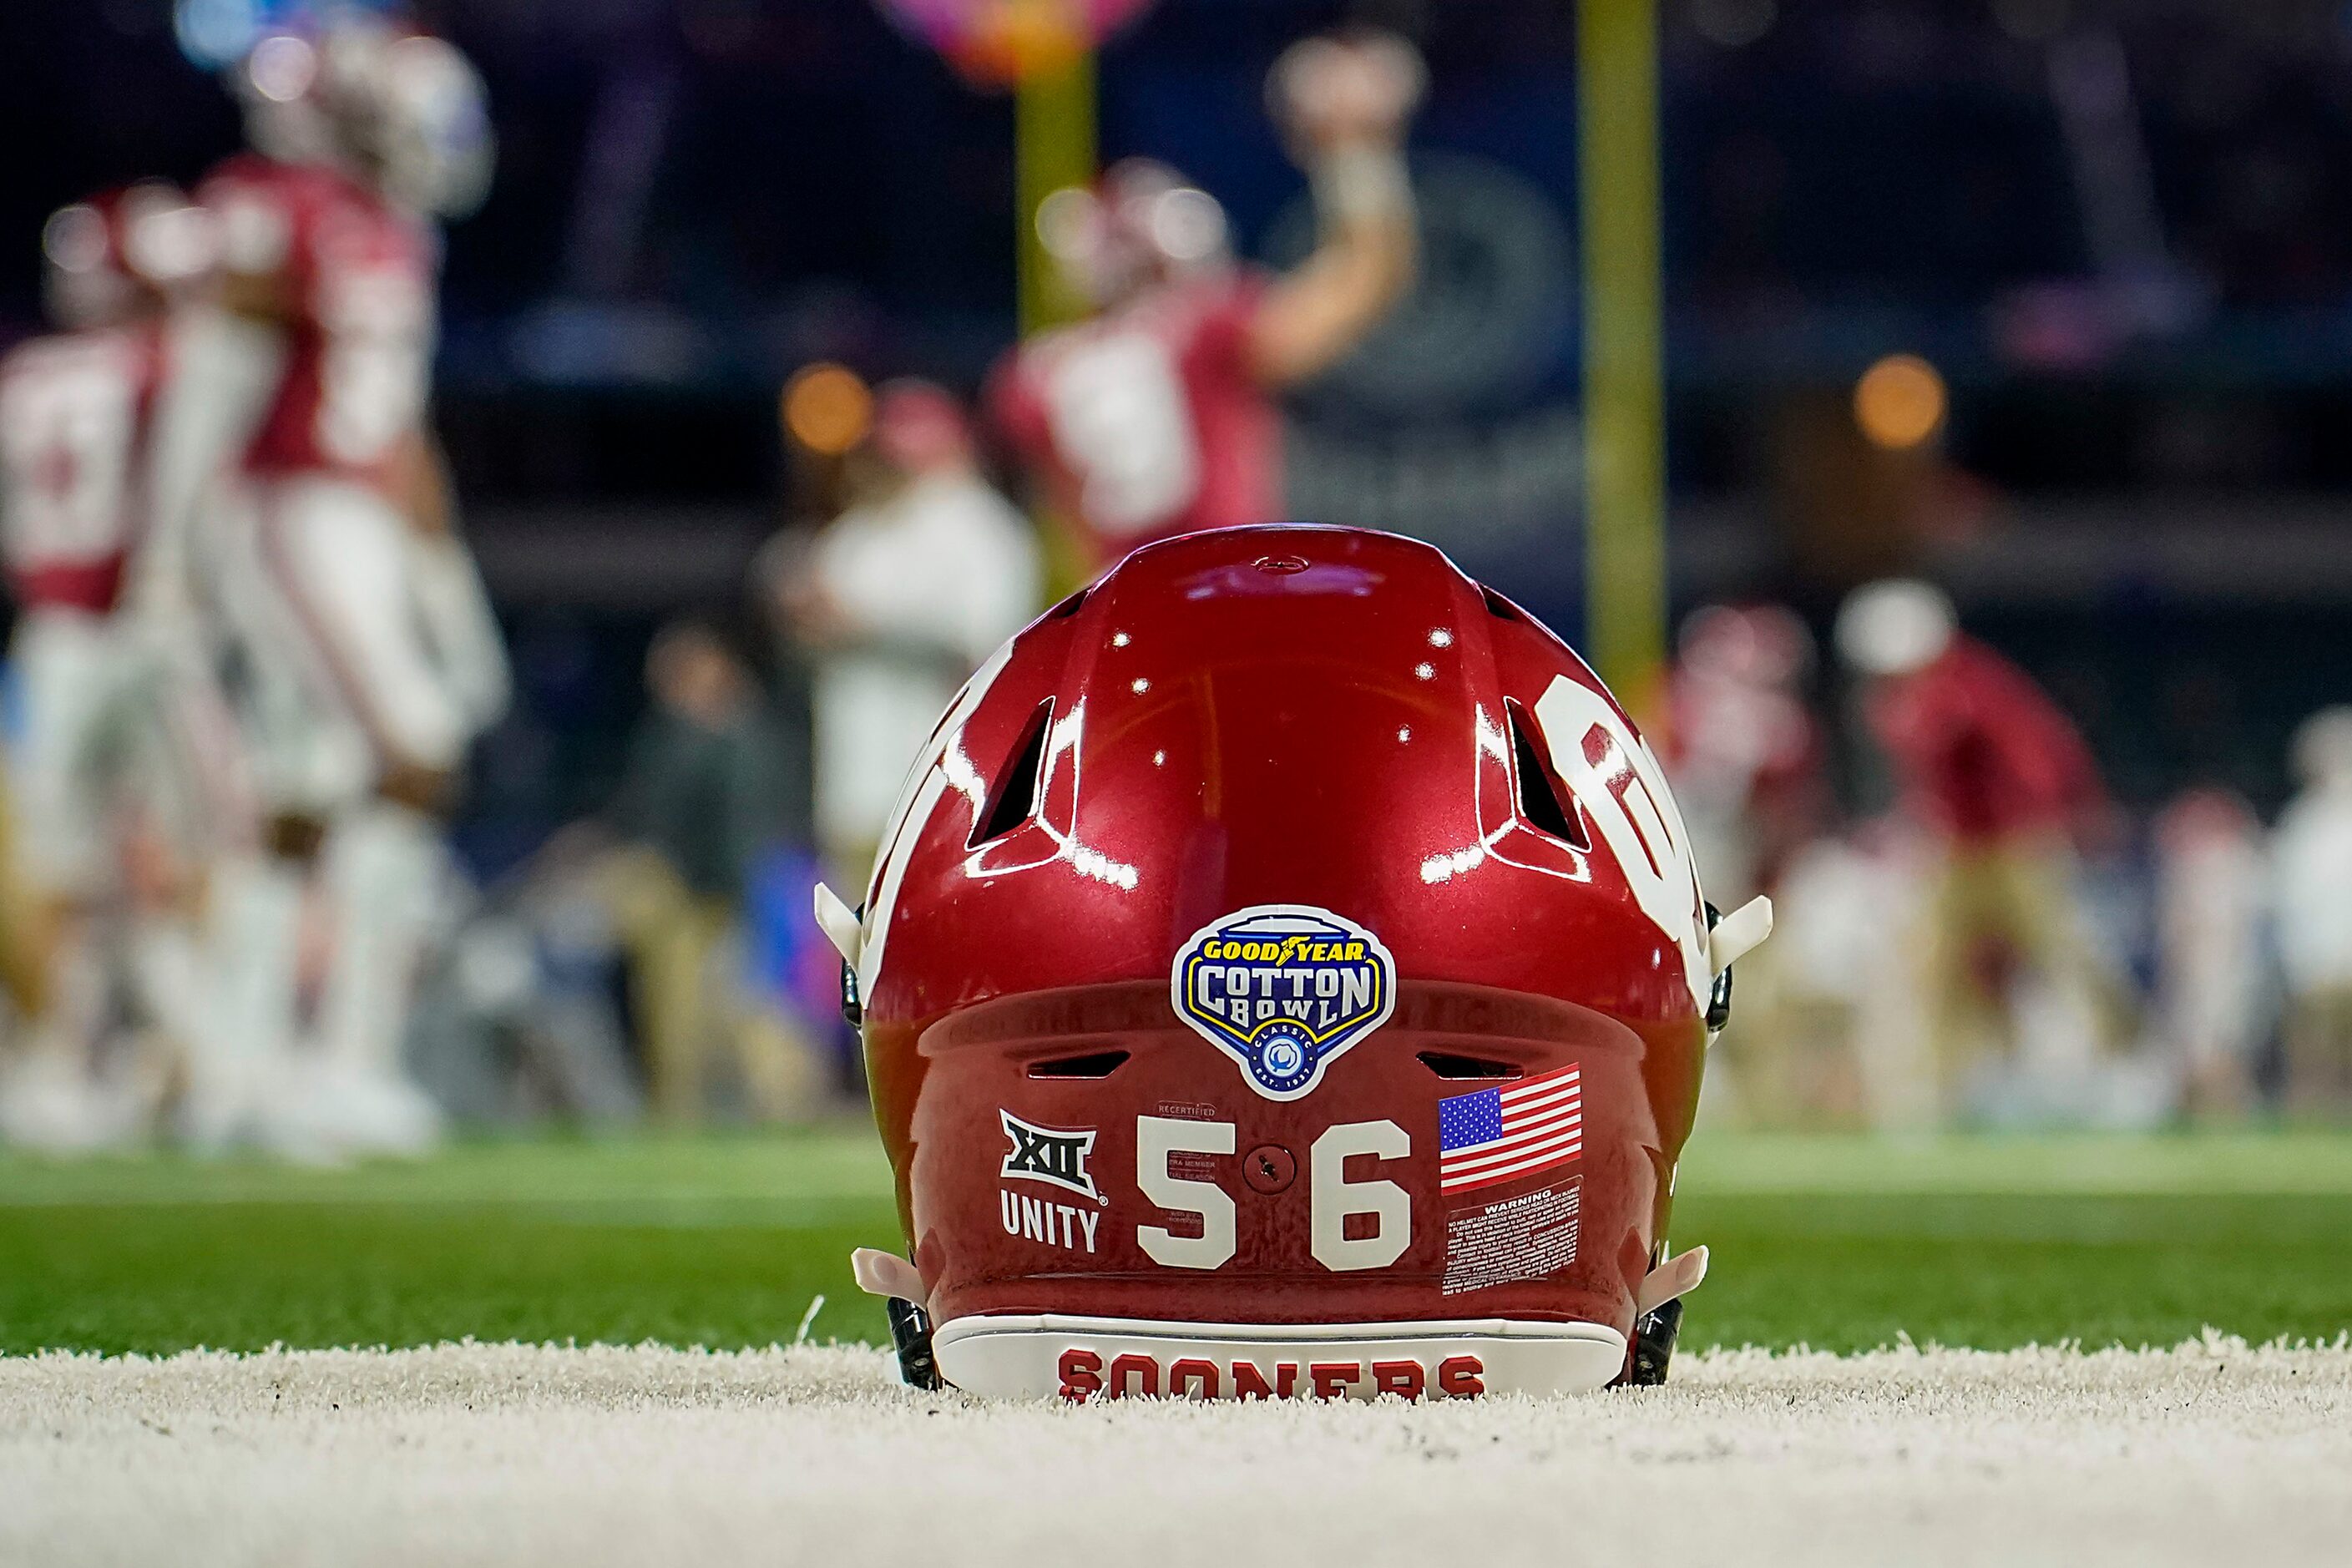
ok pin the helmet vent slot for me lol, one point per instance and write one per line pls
(1448, 1064)
(1096, 1064)
(1013, 798)
(1543, 800)
(1499, 607)
(1068, 607)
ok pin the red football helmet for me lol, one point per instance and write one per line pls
(1285, 974)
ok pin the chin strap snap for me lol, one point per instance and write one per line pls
(900, 1286)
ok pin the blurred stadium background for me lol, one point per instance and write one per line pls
(2047, 303)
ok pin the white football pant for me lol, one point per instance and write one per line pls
(324, 580)
(318, 577)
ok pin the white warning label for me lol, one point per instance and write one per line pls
(1530, 1236)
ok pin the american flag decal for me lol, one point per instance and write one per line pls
(1510, 1130)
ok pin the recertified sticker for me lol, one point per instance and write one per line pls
(1515, 1239)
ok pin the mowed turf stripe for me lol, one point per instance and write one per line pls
(725, 1243)
(2200, 1163)
(834, 1164)
(1992, 1271)
(847, 1163)
(156, 1279)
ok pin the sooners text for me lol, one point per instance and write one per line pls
(1085, 1375)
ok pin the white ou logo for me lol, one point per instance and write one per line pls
(926, 785)
(1623, 791)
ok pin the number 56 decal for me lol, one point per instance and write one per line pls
(1332, 1198)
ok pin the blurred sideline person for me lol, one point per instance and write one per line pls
(2211, 892)
(895, 602)
(1156, 416)
(702, 801)
(2310, 872)
(2006, 787)
(362, 626)
(121, 736)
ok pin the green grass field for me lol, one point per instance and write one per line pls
(1840, 1244)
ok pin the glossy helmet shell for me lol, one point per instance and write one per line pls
(1301, 719)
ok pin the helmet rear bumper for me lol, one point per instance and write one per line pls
(1048, 1356)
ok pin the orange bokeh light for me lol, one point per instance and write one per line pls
(828, 409)
(1900, 402)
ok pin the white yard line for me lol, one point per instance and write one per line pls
(2213, 1454)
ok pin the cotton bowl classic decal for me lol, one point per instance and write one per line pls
(1284, 989)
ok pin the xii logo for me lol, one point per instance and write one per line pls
(1049, 1154)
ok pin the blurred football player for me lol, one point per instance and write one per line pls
(372, 660)
(2211, 898)
(120, 736)
(1156, 416)
(1743, 749)
(2311, 867)
(896, 600)
(1745, 755)
(1992, 768)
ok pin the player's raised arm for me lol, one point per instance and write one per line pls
(1343, 104)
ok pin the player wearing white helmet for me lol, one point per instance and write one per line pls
(2004, 786)
(373, 658)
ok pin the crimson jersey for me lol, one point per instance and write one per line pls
(76, 418)
(1149, 422)
(1981, 752)
(355, 281)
